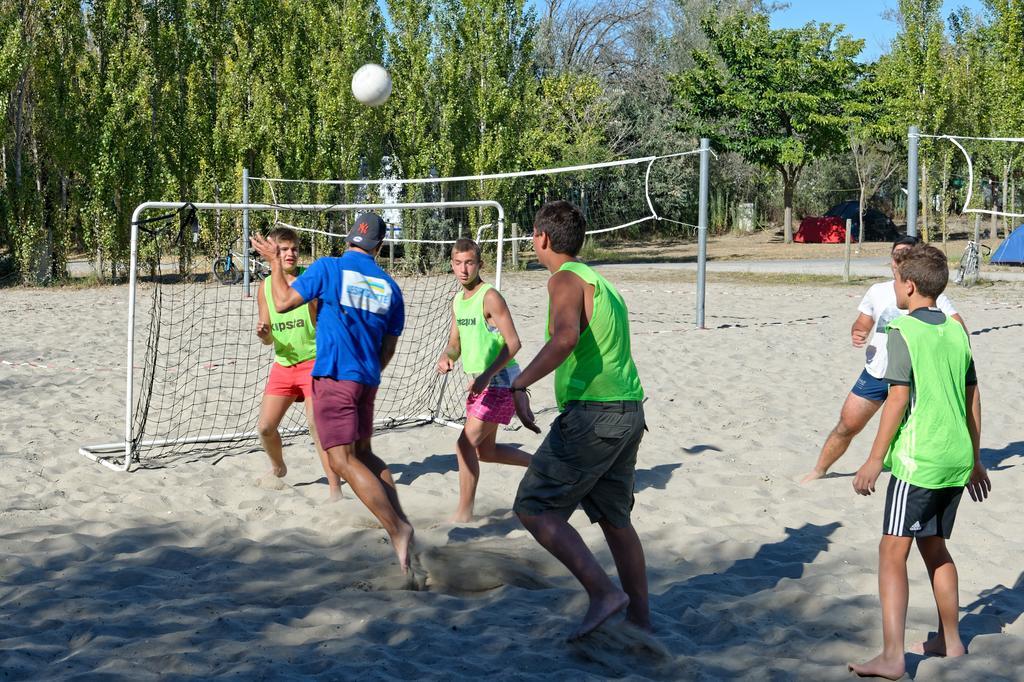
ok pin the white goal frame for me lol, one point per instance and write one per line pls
(105, 453)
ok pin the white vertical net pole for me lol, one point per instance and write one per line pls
(702, 227)
(499, 261)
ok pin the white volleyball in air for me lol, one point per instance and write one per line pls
(371, 85)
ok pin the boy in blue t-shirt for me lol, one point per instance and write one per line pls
(361, 316)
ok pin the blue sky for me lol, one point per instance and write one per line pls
(863, 18)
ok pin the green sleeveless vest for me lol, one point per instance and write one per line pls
(932, 448)
(294, 333)
(480, 343)
(600, 367)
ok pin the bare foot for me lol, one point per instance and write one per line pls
(644, 625)
(462, 516)
(937, 646)
(601, 609)
(890, 669)
(812, 475)
(334, 495)
(402, 542)
(417, 575)
(272, 479)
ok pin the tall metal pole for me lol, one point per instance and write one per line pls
(702, 227)
(912, 176)
(245, 234)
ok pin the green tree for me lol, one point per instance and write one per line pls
(912, 74)
(350, 134)
(487, 88)
(1007, 33)
(12, 58)
(777, 97)
(414, 122)
(874, 136)
(41, 62)
(124, 170)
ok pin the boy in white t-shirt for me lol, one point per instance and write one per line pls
(877, 309)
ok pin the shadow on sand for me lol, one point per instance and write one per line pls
(987, 330)
(772, 563)
(405, 474)
(992, 611)
(993, 459)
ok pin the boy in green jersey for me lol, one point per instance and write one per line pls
(588, 458)
(293, 335)
(483, 334)
(929, 437)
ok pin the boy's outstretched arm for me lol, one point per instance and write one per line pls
(565, 293)
(979, 485)
(453, 350)
(497, 311)
(892, 415)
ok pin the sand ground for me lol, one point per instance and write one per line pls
(189, 570)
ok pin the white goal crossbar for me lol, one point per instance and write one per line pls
(124, 448)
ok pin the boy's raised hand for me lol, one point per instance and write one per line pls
(265, 247)
(979, 485)
(864, 481)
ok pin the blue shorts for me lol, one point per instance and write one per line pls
(870, 388)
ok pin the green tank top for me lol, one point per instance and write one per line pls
(480, 342)
(600, 367)
(294, 333)
(932, 448)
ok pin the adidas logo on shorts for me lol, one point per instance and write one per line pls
(916, 527)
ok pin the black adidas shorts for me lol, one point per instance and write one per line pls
(916, 512)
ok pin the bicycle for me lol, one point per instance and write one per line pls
(970, 264)
(227, 269)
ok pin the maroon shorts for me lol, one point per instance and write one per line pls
(295, 381)
(342, 410)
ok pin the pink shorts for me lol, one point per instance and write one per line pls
(343, 411)
(494, 405)
(295, 381)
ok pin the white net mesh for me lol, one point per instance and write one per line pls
(624, 197)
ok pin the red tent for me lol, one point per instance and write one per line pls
(827, 230)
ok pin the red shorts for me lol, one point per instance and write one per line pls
(494, 405)
(295, 381)
(343, 411)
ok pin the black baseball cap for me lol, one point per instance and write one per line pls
(367, 232)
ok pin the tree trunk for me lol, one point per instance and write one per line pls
(1006, 193)
(926, 202)
(42, 246)
(1011, 200)
(787, 203)
(944, 187)
(993, 229)
(100, 264)
(860, 216)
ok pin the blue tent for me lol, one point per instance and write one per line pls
(1011, 251)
